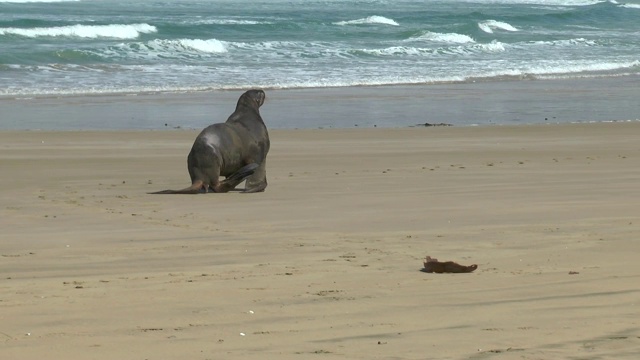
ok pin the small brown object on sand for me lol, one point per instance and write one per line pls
(432, 265)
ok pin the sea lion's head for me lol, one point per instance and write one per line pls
(253, 98)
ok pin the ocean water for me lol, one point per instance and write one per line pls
(60, 47)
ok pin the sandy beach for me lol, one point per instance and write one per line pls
(326, 263)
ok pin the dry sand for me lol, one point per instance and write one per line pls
(326, 263)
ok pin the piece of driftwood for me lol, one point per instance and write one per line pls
(432, 265)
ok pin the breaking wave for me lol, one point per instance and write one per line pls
(369, 20)
(116, 31)
(162, 49)
(490, 25)
(443, 37)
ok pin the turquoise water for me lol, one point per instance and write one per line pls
(114, 46)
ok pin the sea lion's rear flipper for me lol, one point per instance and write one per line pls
(164, 192)
(243, 173)
(196, 187)
(233, 180)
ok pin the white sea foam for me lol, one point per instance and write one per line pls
(267, 45)
(116, 31)
(446, 37)
(156, 79)
(555, 68)
(211, 46)
(375, 19)
(630, 6)
(397, 50)
(489, 25)
(570, 42)
(542, 2)
(493, 47)
(230, 22)
(34, 1)
(192, 49)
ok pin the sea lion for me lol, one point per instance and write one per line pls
(434, 266)
(236, 149)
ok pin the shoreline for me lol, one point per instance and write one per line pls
(478, 80)
(395, 106)
(355, 129)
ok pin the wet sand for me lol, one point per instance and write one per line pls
(506, 102)
(325, 263)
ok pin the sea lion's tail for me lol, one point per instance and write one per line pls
(195, 188)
